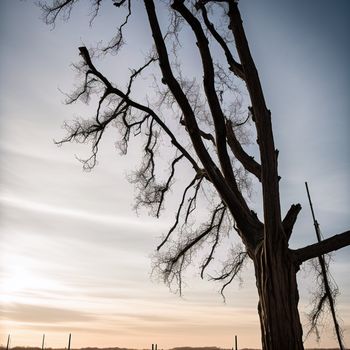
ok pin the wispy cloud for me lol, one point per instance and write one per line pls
(76, 213)
(42, 314)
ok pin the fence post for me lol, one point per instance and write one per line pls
(70, 336)
(43, 342)
(327, 286)
(8, 342)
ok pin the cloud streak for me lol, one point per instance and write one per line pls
(43, 314)
(76, 213)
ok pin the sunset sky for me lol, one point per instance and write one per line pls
(76, 258)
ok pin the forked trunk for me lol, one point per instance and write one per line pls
(278, 300)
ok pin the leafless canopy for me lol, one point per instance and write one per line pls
(210, 123)
(210, 114)
(205, 121)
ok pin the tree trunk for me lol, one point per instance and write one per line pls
(278, 300)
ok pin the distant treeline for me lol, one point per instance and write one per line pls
(116, 348)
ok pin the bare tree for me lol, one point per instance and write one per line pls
(205, 124)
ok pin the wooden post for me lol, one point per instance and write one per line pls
(43, 342)
(236, 348)
(70, 337)
(8, 342)
(325, 276)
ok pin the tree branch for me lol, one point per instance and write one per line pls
(192, 201)
(247, 161)
(51, 12)
(210, 92)
(183, 248)
(210, 257)
(231, 270)
(177, 217)
(85, 54)
(204, 134)
(168, 183)
(326, 246)
(243, 216)
(235, 67)
(262, 118)
(118, 40)
(290, 219)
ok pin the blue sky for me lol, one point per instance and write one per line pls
(73, 248)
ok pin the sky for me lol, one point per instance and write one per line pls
(76, 258)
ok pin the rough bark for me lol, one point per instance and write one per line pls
(278, 300)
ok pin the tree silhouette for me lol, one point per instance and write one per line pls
(206, 124)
